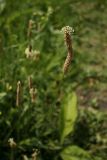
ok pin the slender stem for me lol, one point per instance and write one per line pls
(12, 154)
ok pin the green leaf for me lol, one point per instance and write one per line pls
(68, 116)
(2, 5)
(75, 153)
(2, 95)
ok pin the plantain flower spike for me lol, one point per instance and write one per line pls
(68, 41)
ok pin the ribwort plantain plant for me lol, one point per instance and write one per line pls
(68, 112)
(47, 140)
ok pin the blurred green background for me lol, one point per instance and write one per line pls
(34, 126)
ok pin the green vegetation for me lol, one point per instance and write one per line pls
(40, 118)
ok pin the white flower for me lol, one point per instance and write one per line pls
(67, 29)
(28, 53)
(33, 54)
(12, 143)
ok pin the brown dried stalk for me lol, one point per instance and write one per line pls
(30, 82)
(32, 90)
(30, 25)
(25, 157)
(18, 95)
(29, 34)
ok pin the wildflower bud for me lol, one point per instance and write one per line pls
(18, 96)
(12, 143)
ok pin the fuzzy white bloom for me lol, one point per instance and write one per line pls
(33, 54)
(67, 29)
(28, 53)
(12, 143)
(33, 91)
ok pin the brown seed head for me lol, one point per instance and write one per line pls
(30, 82)
(68, 41)
(33, 94)
(30, 26)
(18, 95)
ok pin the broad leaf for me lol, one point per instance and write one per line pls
(75, 153)
(68, 115)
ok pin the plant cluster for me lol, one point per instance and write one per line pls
(41, 80)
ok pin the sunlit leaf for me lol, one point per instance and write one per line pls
(68, 115)
(2, 95)
(75, 153)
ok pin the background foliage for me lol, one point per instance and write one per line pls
(37, 126)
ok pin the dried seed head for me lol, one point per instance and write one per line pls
(30, 82)
(34, 155)
(31, 22)
(12, 143)
(25, 157)
(18, 95)
(33, 94)
(30, 26)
